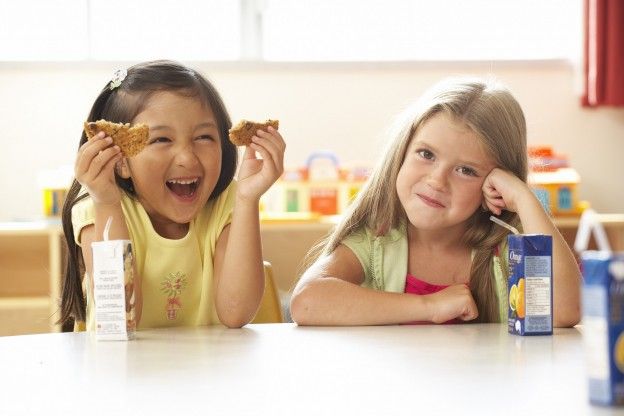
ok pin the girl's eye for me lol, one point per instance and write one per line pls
(464, 170)
(159, 140)
(205, 137)
(425, 154)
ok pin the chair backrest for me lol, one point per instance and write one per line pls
(270, 310)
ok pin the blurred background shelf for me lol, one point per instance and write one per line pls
(25, 315)
(613, 224)
(31, 257)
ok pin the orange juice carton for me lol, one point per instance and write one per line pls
(113, 289)
(530, 284)
(603, 325)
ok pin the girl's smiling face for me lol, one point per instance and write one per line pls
(177, 171)
(439, 183)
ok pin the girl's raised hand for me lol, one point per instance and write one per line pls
(502, 190)
(455, 301)
(256, 176)
(94, 169)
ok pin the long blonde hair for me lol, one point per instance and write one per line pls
(491, 111)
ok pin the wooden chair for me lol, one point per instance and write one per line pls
(270, 310)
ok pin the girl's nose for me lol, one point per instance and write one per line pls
(438, 178)
(185, 156)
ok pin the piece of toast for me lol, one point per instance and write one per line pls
(242, 132)
(131, 140)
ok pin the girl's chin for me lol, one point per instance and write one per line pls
(426, 221)
(184, 216)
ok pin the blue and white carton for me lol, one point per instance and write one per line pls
(603, 325)
(530, 284)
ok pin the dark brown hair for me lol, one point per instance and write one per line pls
(121, 105)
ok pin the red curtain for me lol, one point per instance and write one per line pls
(604, 53)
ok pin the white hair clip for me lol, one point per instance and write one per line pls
(118, 76)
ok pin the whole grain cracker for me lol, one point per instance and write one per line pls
(131, 140)
(244, 130)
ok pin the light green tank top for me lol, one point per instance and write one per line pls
(384, 260)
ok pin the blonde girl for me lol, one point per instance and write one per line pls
(421, 223)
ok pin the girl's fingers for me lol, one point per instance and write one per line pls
(268, 163)
(491, 191)
(273, 136)
(274, 143)
(277, 155)
(99, 161)
(497, 204)
(249, 153)
(500, 202)
(90, 150)
(90, 142)
(493, 207)
(279, 137)
(109, 167)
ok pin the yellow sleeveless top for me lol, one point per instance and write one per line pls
(177, 275)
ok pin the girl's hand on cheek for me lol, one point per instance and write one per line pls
(503, 190)
(256, 176)
(95, 167)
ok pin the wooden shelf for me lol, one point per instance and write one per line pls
(612, 223)
(25, 315)
(31, 255)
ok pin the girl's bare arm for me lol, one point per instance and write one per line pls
(329, 293)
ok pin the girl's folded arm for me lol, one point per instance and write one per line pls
(329, 293)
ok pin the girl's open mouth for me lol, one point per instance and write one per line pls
(183, 188)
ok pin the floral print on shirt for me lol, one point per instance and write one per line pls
(172, 286)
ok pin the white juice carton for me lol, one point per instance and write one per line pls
(530, 284)
(113, 290)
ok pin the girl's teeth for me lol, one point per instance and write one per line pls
(183, 182)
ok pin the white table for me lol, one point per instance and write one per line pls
(282, 369)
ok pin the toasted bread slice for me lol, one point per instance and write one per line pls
(242, 133)
(131, 140)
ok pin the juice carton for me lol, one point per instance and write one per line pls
(603, 325)
(530, 284)
(113, 289)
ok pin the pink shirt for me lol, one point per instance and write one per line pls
(419, 287)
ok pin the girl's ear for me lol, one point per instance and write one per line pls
(122, 168)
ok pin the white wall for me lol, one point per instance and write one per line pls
(344, 107)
